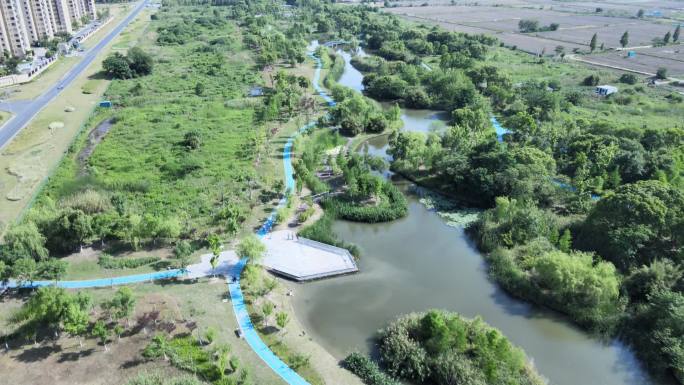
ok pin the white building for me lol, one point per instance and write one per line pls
(606, 90)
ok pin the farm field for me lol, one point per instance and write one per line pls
(646, 60)
(577, 23)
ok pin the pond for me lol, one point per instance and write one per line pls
(417, 263)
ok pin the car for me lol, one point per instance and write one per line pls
(61, 86)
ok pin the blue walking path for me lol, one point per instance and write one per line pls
(239, 306)
(100, 282)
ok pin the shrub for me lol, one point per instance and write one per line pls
(629, 79)
(393, 206)
(321, 231)
(591, 80)
(367, 370)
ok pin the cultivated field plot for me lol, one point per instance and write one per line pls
(564, 20)
(524, 42)
(646, 60)
(640, 33)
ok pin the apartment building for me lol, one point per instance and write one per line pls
(23, 22)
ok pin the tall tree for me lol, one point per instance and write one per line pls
(624, 40)
(675, 36)
(593, 42)
(667, 37)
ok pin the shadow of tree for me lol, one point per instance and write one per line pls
(38, 353)
(75, 356)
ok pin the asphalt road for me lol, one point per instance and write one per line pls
(24, 111)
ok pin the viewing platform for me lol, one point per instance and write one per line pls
(302, 259)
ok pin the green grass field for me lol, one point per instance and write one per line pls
(143, 160)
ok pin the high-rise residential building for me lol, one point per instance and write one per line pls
(43, 18)
(16, 30)
(61, 15)
(23, 22)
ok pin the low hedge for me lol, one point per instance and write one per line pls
(108, 262)
(321, 231)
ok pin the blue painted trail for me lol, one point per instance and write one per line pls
(100, 282)
(239, 306)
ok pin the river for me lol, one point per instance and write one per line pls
(417, 263)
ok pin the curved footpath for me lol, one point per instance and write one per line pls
(239, 306)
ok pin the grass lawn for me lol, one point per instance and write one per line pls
(143, 160)
(4, 116)
(36, 150)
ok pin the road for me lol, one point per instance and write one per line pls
(24, 111)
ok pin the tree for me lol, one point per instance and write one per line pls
(53, 308)
(629, 79)
(667, 37)
(251, 248)
(101, 332)
(215, 247)
(24, 270)
(661, 73)
(675, 36)
(282, 319)
(591, 80)
(593, 42)
(624, 40)
(76, 321)
(4, 271)
(159, 347)
(140, 62)
(526, 25)
(640, 13)
(267, 310)
(639, 223)
(24, 241)
(199, 89)
(122, 304)
(117, 66)
(118, 330)
(51, 269)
